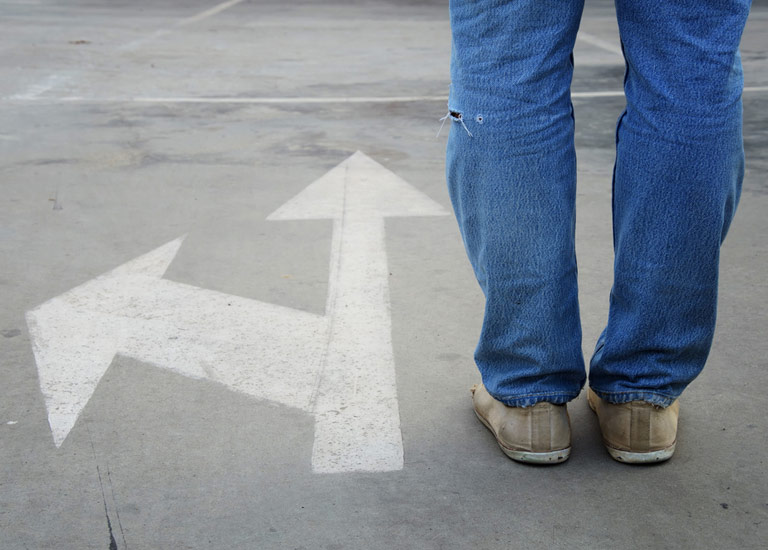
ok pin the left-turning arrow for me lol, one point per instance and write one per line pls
(247, 345)
(338, 366)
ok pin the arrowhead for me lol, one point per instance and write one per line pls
(152, 264)
(360, 186)
(73, 349)
(74, 344)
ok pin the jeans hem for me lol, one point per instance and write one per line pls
(530, 399)
(618, 397)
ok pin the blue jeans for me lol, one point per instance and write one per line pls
(511, 171)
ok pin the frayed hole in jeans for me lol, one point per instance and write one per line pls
(455, 116)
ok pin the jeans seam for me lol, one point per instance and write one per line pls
(541, 394)
(628, 392)
(639, 395)
(525, 400)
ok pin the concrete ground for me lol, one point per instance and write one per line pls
(105, 155)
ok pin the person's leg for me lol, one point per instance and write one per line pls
(511, 172)
(677, 179)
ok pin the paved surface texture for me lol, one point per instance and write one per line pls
(127, 125)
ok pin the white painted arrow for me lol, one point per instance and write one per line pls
(338, 366)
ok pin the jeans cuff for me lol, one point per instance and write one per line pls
(530, 399)
(618, 397)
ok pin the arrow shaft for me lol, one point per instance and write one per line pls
(355, 403)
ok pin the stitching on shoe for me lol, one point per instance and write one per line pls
(496, 437)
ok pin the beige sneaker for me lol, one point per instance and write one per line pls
(540, 434)
(636, 432)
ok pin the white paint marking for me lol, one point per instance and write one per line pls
(180, 23)
(289, 100)
(35, 91)
(246, 100)
(620, 93)
(600, 43)
(338, 366)
(355, 402)
(752, 89)
(292, 100)
(207, 13)
(12, 422)
(605, 93)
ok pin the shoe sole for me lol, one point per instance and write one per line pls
(641, 458)
(630, 457)
(529, 457)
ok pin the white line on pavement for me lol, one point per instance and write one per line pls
(619, 93)
(600, 43)
(36, 90)
(32, 98)
(255, 100)
(207, 13)
(180, 23)
(604, 93)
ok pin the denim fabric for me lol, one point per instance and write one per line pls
(511, 172)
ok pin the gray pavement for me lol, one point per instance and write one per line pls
(104, 157)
